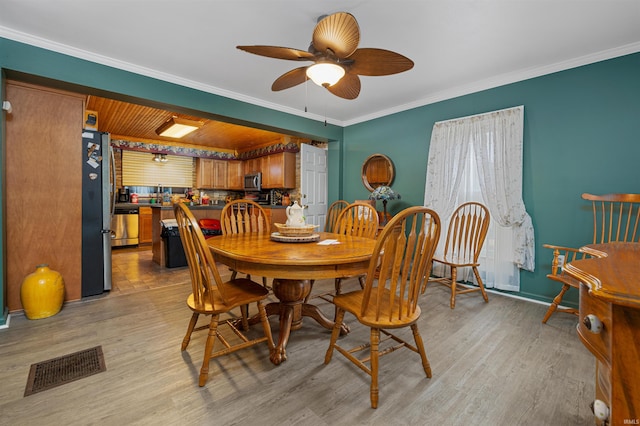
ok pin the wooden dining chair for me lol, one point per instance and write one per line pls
(333, 212)
(356, 220)
(616, 218)
(241, 217)
(562, 255)
(402, 256)
(210, 295)
(466, 233)
(244, 216)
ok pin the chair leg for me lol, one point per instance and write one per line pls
(334, 335)
(192, 325)
(244, 309)
(454, 272)
(211, 338)
(375, 341)
(420, 345)
(554, 305)
(265, 325)
(338, 286)
(234, 274)
(480, 284)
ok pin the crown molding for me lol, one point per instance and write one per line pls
(497, 81)
(504, 79)
(148, 72)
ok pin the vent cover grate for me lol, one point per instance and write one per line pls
(68, 368)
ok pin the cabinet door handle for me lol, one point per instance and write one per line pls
(592, 323)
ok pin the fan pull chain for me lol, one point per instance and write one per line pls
(306, 95)
(325, 111)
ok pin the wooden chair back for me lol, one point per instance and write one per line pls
(332, 214)
(244, 216)
(466, 233)
(616, 217)
(205, 279)
(400, 266)
(359, 220)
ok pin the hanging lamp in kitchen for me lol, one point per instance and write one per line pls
(160, 158)
(177, 127)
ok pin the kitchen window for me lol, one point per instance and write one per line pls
(139, 169)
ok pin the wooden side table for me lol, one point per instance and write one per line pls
(609, 327)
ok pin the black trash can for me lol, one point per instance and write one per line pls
(174, 251)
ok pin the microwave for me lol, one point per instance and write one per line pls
(253, 182)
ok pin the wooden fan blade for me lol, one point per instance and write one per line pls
(279, 52)
(290, 79)
(348, 87)
(378, 62)
(339, 33)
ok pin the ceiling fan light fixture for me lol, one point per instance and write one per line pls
(325, 74)
(178, 127)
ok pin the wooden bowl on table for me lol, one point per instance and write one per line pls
(295, 231)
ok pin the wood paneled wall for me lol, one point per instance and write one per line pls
(44, 182)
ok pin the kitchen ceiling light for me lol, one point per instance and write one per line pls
(160, 158)
(178, 127)
(325, 74)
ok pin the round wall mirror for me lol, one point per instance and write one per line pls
(377, 170)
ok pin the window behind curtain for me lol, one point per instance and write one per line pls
(454, 176)
(495, 258)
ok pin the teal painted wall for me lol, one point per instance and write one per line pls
(580, 135)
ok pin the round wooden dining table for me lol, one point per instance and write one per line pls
(292, 265)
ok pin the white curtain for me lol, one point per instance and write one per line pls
(495, 142)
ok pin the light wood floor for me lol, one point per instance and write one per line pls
(493, 364)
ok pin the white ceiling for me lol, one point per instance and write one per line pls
(458, 46)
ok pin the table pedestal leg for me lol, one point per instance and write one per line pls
(291, 309)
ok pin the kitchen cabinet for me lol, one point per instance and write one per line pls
(146, 227)
(220, 168)
(235, 175)
(252, 166)
(279, 170)
(211, 174)
(277, 215)
(204, 177)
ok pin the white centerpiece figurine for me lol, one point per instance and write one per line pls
(295, 215)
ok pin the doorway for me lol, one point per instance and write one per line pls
(313, 183)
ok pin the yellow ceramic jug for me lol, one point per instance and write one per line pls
(42, 293)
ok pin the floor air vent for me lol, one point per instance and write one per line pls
(68, 368)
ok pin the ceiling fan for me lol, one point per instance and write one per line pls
(337, 60)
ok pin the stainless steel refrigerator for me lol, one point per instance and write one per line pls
(98, 197)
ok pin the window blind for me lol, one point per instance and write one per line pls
(139, 169)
